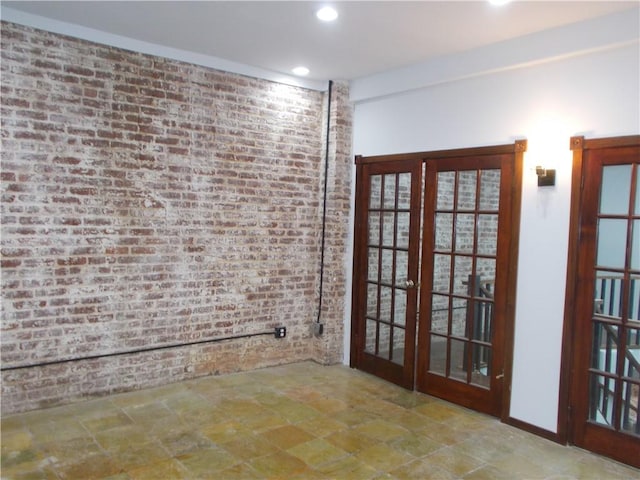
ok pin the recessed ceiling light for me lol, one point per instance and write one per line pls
(327, 14)
(300, 71)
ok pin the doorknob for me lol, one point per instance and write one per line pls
(411, 284)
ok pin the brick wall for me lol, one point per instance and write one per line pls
(329, 346)
(149, 202)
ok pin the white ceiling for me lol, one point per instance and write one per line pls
(368, 37)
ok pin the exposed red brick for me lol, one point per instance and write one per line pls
(76, 70)
(148, 202)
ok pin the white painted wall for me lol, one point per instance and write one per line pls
(593, 92)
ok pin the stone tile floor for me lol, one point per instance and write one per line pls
(300, 421)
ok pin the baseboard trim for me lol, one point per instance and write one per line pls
(541, 432)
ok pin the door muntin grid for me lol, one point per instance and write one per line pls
(464, 267)
(614, 373)
(388, 265)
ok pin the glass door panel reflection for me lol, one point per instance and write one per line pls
(614, 373)
(388, 265)
(464, 265)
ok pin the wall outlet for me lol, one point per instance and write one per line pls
(280, 332)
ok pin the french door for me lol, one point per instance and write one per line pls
(605, 382)
(465, 276)
(458, 264)
(387, 259)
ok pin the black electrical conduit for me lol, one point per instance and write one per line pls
(220, 339)
(324, 207)
(139, 350)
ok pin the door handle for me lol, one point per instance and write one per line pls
(498, 377)
(411, 284)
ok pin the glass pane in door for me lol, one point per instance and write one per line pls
(466, 192)
(443, 231)
(389, 197)
(404, 191)
(464, 264)
(630, 422)
(489, 190)
(440, 314)
(630, 404)
(614, 376)
(634, 297)
(602, 399)
(438, 354)
(605, 357)
(442, 273)
(465, 234)
(463, 275)
(612, 242)
(635, 245)
(400, 308)
(636, 210)
(397, 355)
(481, 374)
(616, 186)
(459, 324)
(446, 190)
(388, 266)
(487, 234)
(608, 294)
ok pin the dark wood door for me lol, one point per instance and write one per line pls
(386, 261)
(468, 252)
(605, 380)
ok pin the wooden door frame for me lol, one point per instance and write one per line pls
(518, 148)
(578, 144)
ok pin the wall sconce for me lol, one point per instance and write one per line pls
(546, 178)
